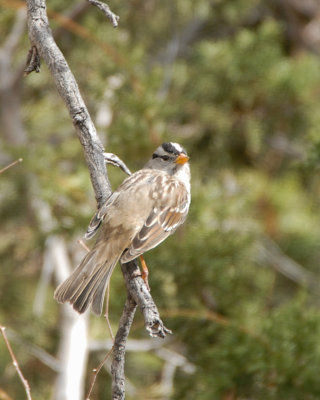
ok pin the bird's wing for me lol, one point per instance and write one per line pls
(170, 208)
(97, 219)
(128, 188)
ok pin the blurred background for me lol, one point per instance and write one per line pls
(237, 83)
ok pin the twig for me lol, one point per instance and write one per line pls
(36, 351)
(114, 160)
(11, 165)
(15, 363)
(33, 61)
(106, 315)
(96, 372)
(106, 9)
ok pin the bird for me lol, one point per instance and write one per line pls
(141, 213)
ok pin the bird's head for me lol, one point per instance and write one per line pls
(169, 157)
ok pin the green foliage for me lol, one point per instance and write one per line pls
(277, 362)
(247, 110)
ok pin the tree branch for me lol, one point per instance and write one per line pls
(41, 36)
(11, 165)
(106, 9)
(141, 295)
(119, 349)
(15, 363)
(114, 160)
(138, 294)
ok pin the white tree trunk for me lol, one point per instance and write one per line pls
(73, 349)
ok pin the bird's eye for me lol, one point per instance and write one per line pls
(165, 158)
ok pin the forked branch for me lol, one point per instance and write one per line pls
(138, 294)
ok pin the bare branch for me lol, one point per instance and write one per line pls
(114, 160)
(119, 349)
(106, 9)
(41, 37)
(11, 165)
(15, 363)
(138, 294)
(141, 295)
(96, 372)
(106, 315)
(36, 351)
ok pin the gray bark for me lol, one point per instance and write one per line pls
(41, 37)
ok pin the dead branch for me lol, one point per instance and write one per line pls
(106, 314)
(15, 363)
(105, 8)
(11, 165)
(141, 295)
(114, 160)
(44, 357)
(119, 349)
(138, 295)
(41, 37)
(96, 372)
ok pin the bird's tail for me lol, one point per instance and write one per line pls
(87, 284)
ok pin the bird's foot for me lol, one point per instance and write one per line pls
(145, 272)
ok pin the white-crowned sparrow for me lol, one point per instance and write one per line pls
(145, 209)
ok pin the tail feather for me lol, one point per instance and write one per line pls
(98, 297)
(81, 299)
(90, 293)
(93, 292)
(87, 284)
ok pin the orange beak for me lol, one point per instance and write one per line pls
(182, 159)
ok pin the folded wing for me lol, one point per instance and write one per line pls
(169, 211)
